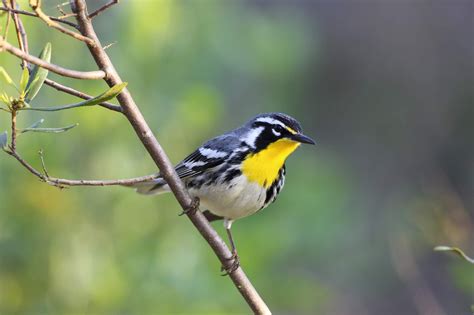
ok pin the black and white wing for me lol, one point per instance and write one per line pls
(211, 154)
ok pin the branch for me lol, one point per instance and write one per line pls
(36, 15)
(84, 75)
(20, 33)
(62, 182)
(167, 170)
(103, 8)
(79, 94)
(36, 6)
(5, 32)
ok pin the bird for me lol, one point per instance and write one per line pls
(238, 173)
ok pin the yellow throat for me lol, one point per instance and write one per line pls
(263, 167)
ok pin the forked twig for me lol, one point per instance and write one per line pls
(36, 6)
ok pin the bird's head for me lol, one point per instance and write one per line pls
(271, 128)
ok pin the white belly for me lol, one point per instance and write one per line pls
(239, 198)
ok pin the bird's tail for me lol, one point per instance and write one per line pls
(152, 187)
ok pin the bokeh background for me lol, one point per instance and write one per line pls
(386, 89)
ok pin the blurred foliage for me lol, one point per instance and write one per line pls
(386, 89)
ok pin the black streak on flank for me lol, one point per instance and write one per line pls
(274, 189)
(231, 174)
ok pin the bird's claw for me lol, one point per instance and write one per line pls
(234, 265)
(193, 207)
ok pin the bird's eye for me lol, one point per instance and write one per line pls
(277, 130)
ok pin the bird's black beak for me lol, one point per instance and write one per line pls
(298, 137)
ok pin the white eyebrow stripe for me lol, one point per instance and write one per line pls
(252, 136)
(271, 121)
(212, 154)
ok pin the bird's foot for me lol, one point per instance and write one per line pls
(193, 207)
(227, 270)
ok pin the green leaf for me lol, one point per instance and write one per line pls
(36, 124)
(6, 77)
(25, 76)
(107, 95)
(49, 130)
(456, 251)
(5, 98)
(4, 140)
(38, 74)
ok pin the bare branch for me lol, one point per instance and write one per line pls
(60, 20)
(36, 6)
(113, 182)
(5, 32)
(85, 75)
(167, 170)
(62, 183)
(13, 142)
(103, 8)
(79, 94)
(30, 168)
(20, 32)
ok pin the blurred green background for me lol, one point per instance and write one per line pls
(386, 89)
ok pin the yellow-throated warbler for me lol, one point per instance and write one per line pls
(240, 172)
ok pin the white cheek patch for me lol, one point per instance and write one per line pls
(276, 133)
(252, 136)
(212, 154)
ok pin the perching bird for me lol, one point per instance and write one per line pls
(240, 172)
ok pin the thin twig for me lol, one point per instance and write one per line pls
(20, 32)
(57, 108)
(60, 9)
(36, 15)
(13, 140)
(36, 6)
(79, 94)
(109, 45)
(112, 182)
(24, 37)
(62, 182)
(84, 75)
(43, 165)
(103, 8)
(27, 165)
(5, 32)
(65, 16)
(167, 170)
